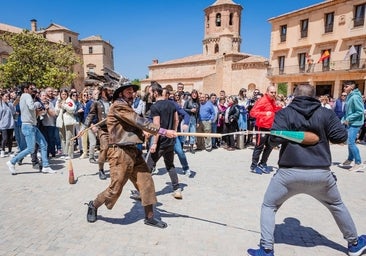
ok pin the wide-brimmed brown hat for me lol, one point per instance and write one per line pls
(122, 87)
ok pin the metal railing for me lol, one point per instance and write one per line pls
(342, 65)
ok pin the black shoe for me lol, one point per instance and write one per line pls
(102, 175)
(91, 216)
(155, 223)
(191, 149)
(93, 161)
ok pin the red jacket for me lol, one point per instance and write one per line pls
(261, 108)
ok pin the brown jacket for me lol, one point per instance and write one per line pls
(96, 110)
(125, 127)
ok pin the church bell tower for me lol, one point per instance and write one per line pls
(222, 28)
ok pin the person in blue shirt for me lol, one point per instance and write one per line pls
(206, 117)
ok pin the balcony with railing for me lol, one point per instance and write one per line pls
(342, 65)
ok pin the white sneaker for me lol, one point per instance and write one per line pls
(11, 167)
(346, 163)
(177, 194)
(357, 167)
(155, 171)
(188, 173)
(48, 170)
(2, 154)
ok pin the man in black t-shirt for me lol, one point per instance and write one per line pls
(163, 113)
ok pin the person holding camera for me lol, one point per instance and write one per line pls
(48, 127)
(251, 120)
(30, 130)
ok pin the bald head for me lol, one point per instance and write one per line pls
(271, 91)
(304, 90)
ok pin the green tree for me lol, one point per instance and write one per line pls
(34, 59)
(282, 89)
(136, 81)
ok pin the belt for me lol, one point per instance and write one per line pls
(122, 146)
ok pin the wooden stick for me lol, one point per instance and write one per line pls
(200, 134)
(86, 129)
(219, 135)
(302, 137)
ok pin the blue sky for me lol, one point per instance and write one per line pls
(143, 30)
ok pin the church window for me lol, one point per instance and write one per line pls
(216, 48)
(218, 20)
(231, 19)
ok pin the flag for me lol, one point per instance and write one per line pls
(350, 52)
(324, 56)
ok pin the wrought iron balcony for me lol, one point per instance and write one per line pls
(342, 65)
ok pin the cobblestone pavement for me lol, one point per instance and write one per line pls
(42, 214)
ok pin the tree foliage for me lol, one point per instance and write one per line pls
(136, 82)
(35, 59)
(282, 89)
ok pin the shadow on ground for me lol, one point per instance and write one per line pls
(291, 232)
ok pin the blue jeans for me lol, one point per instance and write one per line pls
(192, 128)
(353, 152)
(19, 137)
(214, 130)
(181, 155)
(32, 136)
(49, 132)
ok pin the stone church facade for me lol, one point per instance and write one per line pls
(221, 66)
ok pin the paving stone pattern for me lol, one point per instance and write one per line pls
(43, 215)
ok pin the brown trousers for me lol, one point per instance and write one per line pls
(127, 164)
(103, 136)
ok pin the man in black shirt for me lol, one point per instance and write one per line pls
(163, 113)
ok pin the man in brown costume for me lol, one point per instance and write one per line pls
(126, 130)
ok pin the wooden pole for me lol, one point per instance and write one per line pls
(86, 129)
(302, 137)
